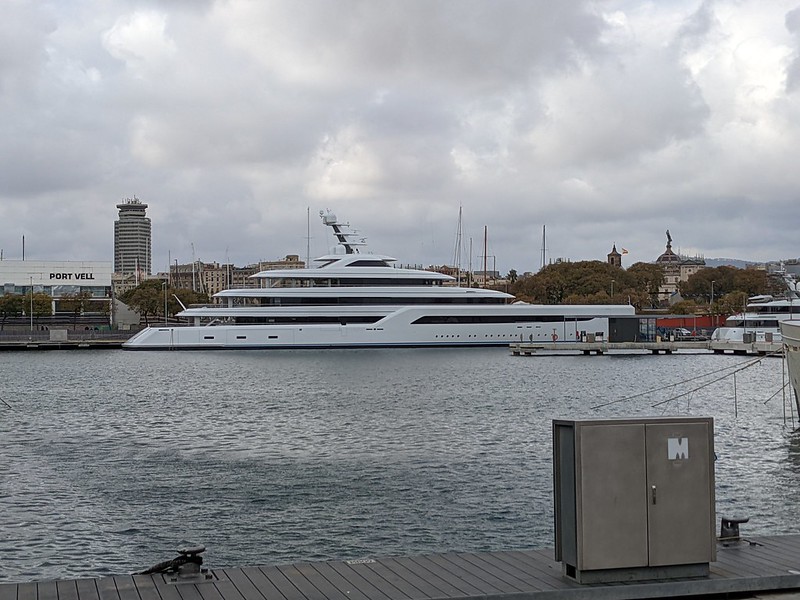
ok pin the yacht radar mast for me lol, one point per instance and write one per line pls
(342, 236)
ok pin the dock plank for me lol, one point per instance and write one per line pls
(87, 589)
(311, 584)
(771, 566)
(272, 578)
(27, 591)
(126, 588)
(527, 577)
(426, 586)
(356, 580)
(447, 588)
(8, 592)
(493, 584)
(363, 570)
(67, 589)
(548, 572)
(47, 591)
(166, 591)
(335, 579)
(146, 587)
(395, 580)
(464, 584)
(222, 587)
(244, 586)
(510, 577)
(107, 589)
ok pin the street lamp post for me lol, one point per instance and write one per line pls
(165, 302)
(711, 305)
(612, 287)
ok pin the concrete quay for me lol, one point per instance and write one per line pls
(63, 339)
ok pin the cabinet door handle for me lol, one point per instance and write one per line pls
(653, 488)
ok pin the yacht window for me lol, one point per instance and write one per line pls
(368, 263)
(461, 319)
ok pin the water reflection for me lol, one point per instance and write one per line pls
(111, 460)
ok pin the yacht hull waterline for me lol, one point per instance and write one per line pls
(355, 299)
(396, 330)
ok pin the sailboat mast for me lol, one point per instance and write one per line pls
(458, 249)
(544, 247)
(308, 236)
(485, 252)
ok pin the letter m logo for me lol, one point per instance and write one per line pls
(677, 448)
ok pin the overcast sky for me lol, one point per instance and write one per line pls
(608, 122)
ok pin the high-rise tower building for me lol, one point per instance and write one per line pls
(132, 238)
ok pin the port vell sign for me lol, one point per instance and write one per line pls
(72, 276)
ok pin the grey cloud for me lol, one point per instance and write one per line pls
(792, 22)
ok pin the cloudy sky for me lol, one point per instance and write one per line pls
(608, 122)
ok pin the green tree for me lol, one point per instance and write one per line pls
(684, 307)
(41, 303)
(725, 280)
(148, 299)
(732, 303)
(512, 276)
(648, 279)
(76, 304)
(584, 282)
(10, 306)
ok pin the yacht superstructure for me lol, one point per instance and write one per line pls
(356, 299)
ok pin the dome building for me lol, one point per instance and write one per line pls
(676, 268)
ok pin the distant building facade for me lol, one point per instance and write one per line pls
(676, 268)
(60, 280)
(614, 258)
(132, 239)
(211, 278)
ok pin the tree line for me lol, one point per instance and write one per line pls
(149, 298)
(597, 282)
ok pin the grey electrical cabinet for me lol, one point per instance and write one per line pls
(634, 498)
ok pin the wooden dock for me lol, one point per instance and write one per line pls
(763, 565)
(660, 347)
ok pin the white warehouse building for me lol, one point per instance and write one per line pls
(59, 279)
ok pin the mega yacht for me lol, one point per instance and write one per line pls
(790, 331)
(760, 322)
(352, 298)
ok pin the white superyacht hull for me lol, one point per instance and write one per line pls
(395, 330)
(791, 340)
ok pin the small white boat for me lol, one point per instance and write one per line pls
(761, 320)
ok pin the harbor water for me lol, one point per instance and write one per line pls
(111, 460)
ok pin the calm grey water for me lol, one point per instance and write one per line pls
(111, 460)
